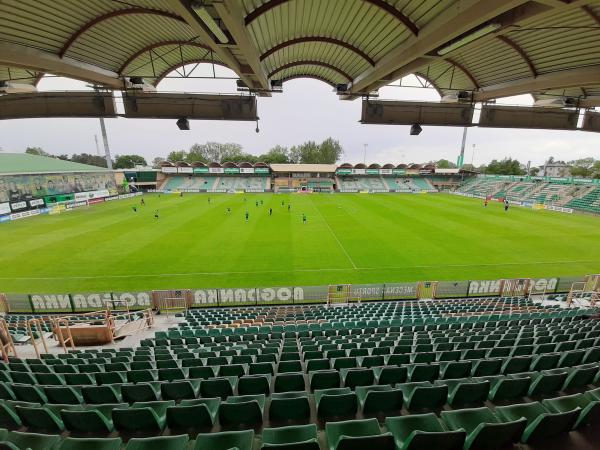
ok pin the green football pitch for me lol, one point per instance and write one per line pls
(348, 238)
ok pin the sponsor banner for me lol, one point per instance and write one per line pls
(18, 205)
(95, 200)
(246, 170)
(95, 301)
(231, 170)
(247, 296)
(215, 170)
(36, 202)
(22, 215)
(261, 170)
(344, 171)
(80, 196)
(539, 285)
(399, 171)
(185, 170)
(394, 291)
(564, 283)
(4, 219)
(200, 169)
(168, 169)
(481, 288)
(359, 171)
(4, 208)
(559, 209)
(76, 204)
(451, 289)
(372, 172)
(367, 291)
(19, 303)
(51, 302)
(385, 171)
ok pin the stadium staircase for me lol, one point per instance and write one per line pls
(462, 374)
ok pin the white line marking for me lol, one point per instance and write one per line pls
(326, 269)
(334, 235)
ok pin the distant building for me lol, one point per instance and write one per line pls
(556, 169)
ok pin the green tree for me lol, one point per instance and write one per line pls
(176, 156)
(534, 171)
(444, 164)
(86, 158)
(582, 168)
(330, 151)
(507, 166)
(37, 151)
(129, 161)
(276, 155)
(156, 162)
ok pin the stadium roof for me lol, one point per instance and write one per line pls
(495, 48)
(24, 163)
(309, 168)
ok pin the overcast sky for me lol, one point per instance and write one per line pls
(306, 110)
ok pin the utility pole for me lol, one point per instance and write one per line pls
(97, 146)
(106, 148)
(461, 157)
(365, 154)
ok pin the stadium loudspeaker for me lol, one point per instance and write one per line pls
(500, 116)
(192, 106)
(183, 124)
(386, 112)
(415, 130)
(591, 121)
(57, 104)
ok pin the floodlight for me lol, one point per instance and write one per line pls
(415, 130)
(183, 123)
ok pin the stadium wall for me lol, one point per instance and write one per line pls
(282, 295)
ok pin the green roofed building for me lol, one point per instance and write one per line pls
(26, 180)
(24, 163)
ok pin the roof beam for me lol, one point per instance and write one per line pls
(326, 40)
(587, 76)
(232, 14)
(14, 55)
(464, 70)
(158, 45)
(183, 9)
(458, 19)
(512, 44)
(311, 63)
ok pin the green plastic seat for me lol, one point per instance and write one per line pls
(63, 394)
(357, 377)
(547, 382)
(254, 384)
(29, 393)
(193, 414)
(579, 377)
(379, 399)
(287, 406)
(180, 389)
(159, 443)
(142, 416)
(545, 362)
(101, 394)
(298, 437)
(225, 440)
(218, 387)
(423, 395)
(34, 441)
(86, 421)
(141, 392)
(516, 364)
(72, 443)
(50, 379)
(357, 435)
(324, 379)
(486, 367)
(540, 423)
(423, 372)
(507, 388)
(337, 402)
(455, 369)
(466, 392)
(390, 374)
(242, 410)
(40, 418)
(424, 432)
(288, 382)
(485, 430)
(590, 409)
